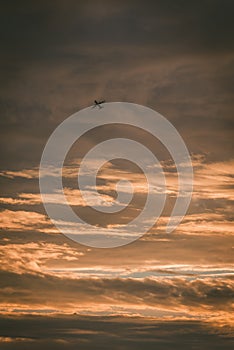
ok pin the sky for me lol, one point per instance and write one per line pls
(162, 290)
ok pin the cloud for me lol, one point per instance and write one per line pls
(26, 173)
(15, 340)
(105, 332)
(22, 198)
(34, 257)
(215, 181)
(21, 220)
(201, 224)
(211, 180)
(185, 294)
(139, 53)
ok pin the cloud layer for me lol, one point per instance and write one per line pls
(162, 291)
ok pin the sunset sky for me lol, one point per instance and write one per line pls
(163, 291)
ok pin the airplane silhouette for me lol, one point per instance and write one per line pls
(98, 103)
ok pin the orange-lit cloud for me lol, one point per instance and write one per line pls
(34, 257)
(21, 220)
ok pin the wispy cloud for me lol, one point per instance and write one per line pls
(34, 257)
(21, 220)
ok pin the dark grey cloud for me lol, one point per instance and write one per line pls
(87, 332)
(56, 58)
(201, 24)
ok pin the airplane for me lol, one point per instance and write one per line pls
(98, 103)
